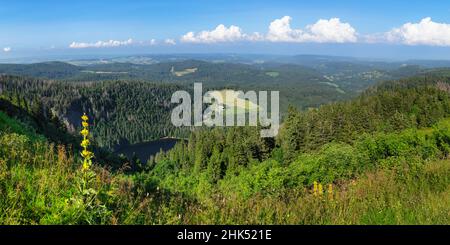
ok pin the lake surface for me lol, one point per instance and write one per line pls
(146, 149)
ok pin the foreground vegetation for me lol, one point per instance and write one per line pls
(382, 158)
(41, 184)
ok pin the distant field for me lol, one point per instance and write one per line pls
(272, 73)
(241, 103)
(183, 72)
(236, 105)
(106, 72)
(331, 84)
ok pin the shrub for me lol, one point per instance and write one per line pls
(333, 161)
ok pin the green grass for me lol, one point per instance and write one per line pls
(11, 125)
(379, 197)
(184, 72)
(40, 184)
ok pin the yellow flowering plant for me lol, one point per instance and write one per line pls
(88, 193)
(85, 153)
(315, 188)
(320, 190)
(330, 191)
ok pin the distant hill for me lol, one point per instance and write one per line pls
(303, 81)
(49, 70)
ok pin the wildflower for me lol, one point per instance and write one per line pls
(315, 188)
(85, 153)
(84, 117)
(85, 143)
(330, 191)
(320, 190)
(86, 165)
(84, 132)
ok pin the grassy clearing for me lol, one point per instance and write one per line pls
(272, 73)
(183, 72)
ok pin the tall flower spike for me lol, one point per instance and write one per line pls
(315, 188)
(330, 191)
(86, 154)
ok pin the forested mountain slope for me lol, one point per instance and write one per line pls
(122, 112)
(309, 83)
(394, 170)
(330, 143)
(48, 70)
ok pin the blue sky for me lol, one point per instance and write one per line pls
(356, 28)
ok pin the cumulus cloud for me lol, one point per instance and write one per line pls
(280, 30)
(332, 30)
(170, 41)
(220, 34)
(426, 32)
(7, 49)
(102, 44)
(323, 31)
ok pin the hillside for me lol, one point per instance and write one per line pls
(306, 81)
(147, 103)
(383, 162)
(48, 70)
(122, 112)
(338, 128)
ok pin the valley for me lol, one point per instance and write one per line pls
(356, 137)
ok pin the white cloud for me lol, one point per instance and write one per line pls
(7, 49)
(102, 44)
(332, 30)
(280, 30)
(221, 34)
(170, 41)
(323, 31)
(426, 32)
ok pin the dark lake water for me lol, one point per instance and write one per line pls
(146, 149)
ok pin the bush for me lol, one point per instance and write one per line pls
(333, 161)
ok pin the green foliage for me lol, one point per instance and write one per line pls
(382, 109)
(385, 154)
(331, 163)
(122, 112)
(10, 125)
